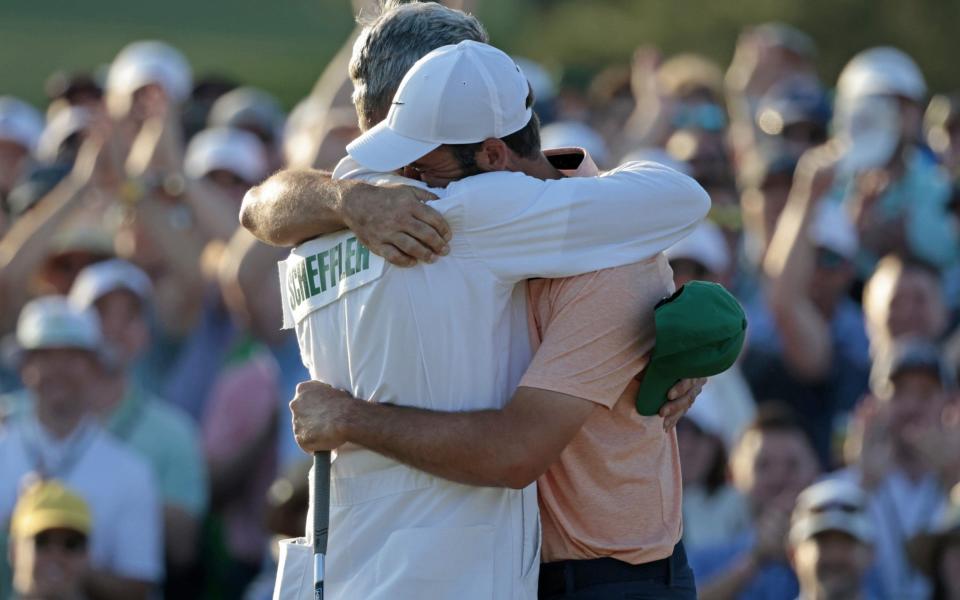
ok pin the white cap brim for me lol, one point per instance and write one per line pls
(384, 150)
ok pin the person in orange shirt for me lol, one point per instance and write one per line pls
(608, 478)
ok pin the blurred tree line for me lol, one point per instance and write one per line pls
(283, 45)
(587, 34)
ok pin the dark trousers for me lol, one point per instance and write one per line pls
(608, 578)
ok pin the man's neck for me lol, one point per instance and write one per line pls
(112, 393)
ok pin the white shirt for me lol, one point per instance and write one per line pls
(126, 538)
(452, 336)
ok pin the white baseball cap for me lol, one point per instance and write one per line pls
(20, 122)
(66, 122)
(52, 322)
(99, 279)
(883, 70)
(705, 245)
(145, 62)
(234, 150)
(831, 505)
(457, 94)
(246, 107)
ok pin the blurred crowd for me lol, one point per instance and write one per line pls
(145, 446)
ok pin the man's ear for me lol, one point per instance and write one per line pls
(493, 155)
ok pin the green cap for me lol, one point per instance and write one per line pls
(700, 332)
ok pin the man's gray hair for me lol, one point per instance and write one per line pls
(391, 41)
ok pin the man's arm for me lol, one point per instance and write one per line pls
(521, 227)
(789, 268)
(500, 448)
(510, 447)
(394, 222)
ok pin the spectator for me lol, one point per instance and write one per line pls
(76, 89)
(143, 75)
(254, 111)
(808, 345)
(771, 464)
(239, 436)
(683, 92)
(50, 242)
(61, 138)
(937, 553)
(160, 433)
(767, 58)
(766, 55)
(20, 129)
(232, 160)
(905, 456)
(61, 365)
(764, 179)
(903, 298)
(794, 115)
(893, 187)
(831, 542)
(713, 511)
(48, 543)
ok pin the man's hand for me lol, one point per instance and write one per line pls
(320, 414)
(772, 528)
(394, 222)
(869, 442)
(679, 400)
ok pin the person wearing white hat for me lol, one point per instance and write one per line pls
(20, 129)
(143, 69)
(831, 543)
(887, 178)
(417, 134)
(256, 111)
(231, 159)
(157, 430)
(468, 94)
(61, 360)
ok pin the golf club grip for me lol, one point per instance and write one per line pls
(321, 504)
(321, 517)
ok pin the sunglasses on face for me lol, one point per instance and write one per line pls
(837, 505)
(71, 541)
(708, 117)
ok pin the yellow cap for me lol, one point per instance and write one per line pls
(49, 505)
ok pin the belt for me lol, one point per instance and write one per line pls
(567, 576)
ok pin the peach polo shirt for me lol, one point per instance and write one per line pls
(615, 490)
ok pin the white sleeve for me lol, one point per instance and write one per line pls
(523, 227)
(138, 529)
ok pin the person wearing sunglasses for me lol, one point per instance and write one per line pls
(48, 543)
